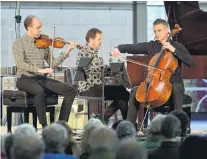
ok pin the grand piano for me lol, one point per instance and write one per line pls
(193, 35)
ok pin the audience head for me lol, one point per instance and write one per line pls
(69, 131)
(55, 137)
(71, 140)
(114, 126)
(125, 129)
(5, 140)
(26, 129)
(193, 147)
(130, 149)
(92, 124)
(184, 119)
(27, 147)
(8, 145)
(156, 124)
(103, 139)
(171, 127)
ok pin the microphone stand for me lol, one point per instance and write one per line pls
(18, 19)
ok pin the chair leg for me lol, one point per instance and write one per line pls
(26, 114)
(100, 109)
(89, 109)
(52, 114)
(9, 119)
(188, 112)
(34, 116)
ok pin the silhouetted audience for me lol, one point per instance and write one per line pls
(27, 147)
(169, 148)
(114, 126)
(103, 143)
(193, 147)
(92, 125)
(130, 149)
(72, 147)
(55, 137)
(185, 121)
(125, 129)
(154, 137)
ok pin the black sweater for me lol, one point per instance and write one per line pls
(153, 47)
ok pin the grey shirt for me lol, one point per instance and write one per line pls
(29, 58)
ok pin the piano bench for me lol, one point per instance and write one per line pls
(20, 101)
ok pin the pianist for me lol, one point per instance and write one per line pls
(93, 84)
(161, 30)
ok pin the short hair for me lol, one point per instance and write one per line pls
(156, 124)
(6, 144)
(125, 129)
(184, 119)
(114, 126)
(92, 33)
(26, 129)
(28, 21)
(92, 125)
(55, 137)
(171, 127)
(71, 141)
(103, 139)
(69, 131)
(161, 21)
(93, 122)
(31, 147)
(129, 148)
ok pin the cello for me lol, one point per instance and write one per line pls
(156, 89)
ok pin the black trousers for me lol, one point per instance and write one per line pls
(118, 94)
(39, 85)
(175, 101)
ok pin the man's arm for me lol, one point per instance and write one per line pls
(140, 48)
(182, 53)
(18, 54)
(55, 62)
(61, 58)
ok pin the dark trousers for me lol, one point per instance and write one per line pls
(118, 94)
(39, 85)
(175, 101)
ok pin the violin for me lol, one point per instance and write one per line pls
(44, 42)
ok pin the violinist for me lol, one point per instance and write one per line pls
(161, 31)
(93, 84)
(32, 74)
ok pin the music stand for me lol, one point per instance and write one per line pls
(81, 74)
(120, 73)
(82, 69)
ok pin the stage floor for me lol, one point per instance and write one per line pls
(197, 127)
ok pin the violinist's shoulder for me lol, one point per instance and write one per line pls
(17, 41)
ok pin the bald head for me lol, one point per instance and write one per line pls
(33, 25)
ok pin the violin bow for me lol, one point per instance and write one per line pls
(51, 56)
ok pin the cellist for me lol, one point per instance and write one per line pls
(161, 31)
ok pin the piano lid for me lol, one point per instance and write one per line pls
(193, 22)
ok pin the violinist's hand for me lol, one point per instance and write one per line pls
(169, 47)
(115, 52)
(47, 71)
(72, 45)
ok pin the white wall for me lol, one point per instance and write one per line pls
(71, 20)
